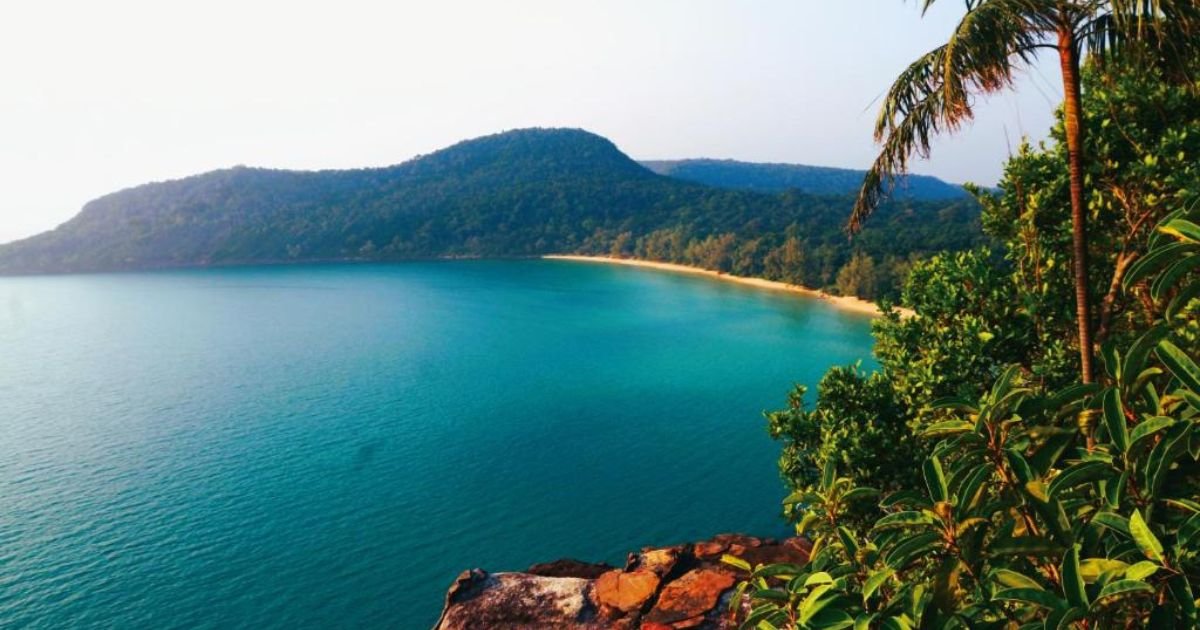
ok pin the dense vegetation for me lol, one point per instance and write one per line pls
(1043, 502)
(816, 180)
(522, 193)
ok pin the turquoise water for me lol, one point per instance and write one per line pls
(328, 446)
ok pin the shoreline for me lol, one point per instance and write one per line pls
(847, 303)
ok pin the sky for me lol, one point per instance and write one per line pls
(100, 96)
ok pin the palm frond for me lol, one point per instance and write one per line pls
(911, 134)
(1159, 31)
(932, 95)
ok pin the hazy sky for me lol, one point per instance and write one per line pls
(98, 96)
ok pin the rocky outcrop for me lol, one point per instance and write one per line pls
(668, 588)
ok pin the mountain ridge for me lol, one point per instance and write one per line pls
(774, 177)
(519, 193)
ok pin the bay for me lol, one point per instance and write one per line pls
(328, 446)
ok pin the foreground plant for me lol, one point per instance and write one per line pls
(1069, 509)
(995, 39)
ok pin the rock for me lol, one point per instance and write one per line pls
(691, 597)
(684, 586)
(660, 561)
(518, 600)
(625, 591)
(570, 568)
(792, 551)
(710, 549)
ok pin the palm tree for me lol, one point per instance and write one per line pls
(996, 38)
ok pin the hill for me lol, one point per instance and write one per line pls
(520, 193)
(817, 180)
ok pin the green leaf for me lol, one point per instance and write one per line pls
(1036, 546)
(895, 623)
(1144, 538)
(1001, 387)
(1051, 510)
(1020, 467)
(911, 549)
(1072, 579)
(874, 581)
(829, 474)
(1079, 473)
(1115, 522)
(1135, 359)
(1064, 619)
(1181, 299)
(1011, 579)
(968, 495)
(1114, 419)
(1180, 364)
(935, 480)
(1120, 590)
(955, 403)
(1166, 280)
(830, 619)
(949, 427)
(1183, 229)
(1158, 463)
(849, 544)
(1188, 531)
(1149, 263)
(865, 620)
(737, 562)
(807, 521)
(1186, 505)
(1149, 427)
(1115, 490)
(816, 601)
(797, 497)
(817, 579)
(1181, 592)
(903, 519)
(1034, 596)
(1091, 568)
(1141, 570)
(1053, 441)
(858, 494)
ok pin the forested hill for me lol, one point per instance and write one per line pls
(519, 193)
(817, 180)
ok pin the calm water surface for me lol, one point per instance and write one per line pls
(328, 446)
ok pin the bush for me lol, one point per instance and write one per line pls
(1074, 507)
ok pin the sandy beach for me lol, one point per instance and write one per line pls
(843, 302)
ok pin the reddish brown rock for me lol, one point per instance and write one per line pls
(625, 591)
(709, 549)
(570, 568)
(738, 539)
(792, 551)
(692, 596)
(685, 586)
(660, 561)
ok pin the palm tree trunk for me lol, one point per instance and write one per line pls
(1068, 54)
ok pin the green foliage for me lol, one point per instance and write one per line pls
(856, 426)
(522, 193)
(816, 180)
(968, 325)
(1143, 141)
(1042, 507)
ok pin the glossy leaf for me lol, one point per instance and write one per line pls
(1144, 538)
(1114, 419)
(1180, 364)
